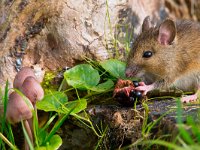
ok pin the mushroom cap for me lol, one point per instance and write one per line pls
(17, 109)
(32, 89)
(22, 75)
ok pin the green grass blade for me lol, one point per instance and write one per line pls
(7, 142)
(101, 139)
(163, 143)
(179, 111)
(137, 142)
(5, 102)
(49, 122)
(10, 134)
(35, 127)
(194, 127)
(57, 125)
(27, 137)
(144, 124)
(183, 132)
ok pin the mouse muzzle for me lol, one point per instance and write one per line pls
(131, 71)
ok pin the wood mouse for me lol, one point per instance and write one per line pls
(167, 55)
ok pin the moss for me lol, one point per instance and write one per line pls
(48, 82)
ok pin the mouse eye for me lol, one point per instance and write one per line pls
(147, 54)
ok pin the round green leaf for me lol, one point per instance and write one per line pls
(54, 144)
(53, 102)
(76, 106)
(115, 67)
(82, 76)
(103, 86)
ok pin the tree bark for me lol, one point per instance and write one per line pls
(49, 35)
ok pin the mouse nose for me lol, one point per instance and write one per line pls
(131, 71)
(128, 72)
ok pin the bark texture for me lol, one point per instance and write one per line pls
(49, 35)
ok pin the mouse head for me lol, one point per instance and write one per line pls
(152, 50)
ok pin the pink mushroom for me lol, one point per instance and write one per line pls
(18, 110)
(22, 75)
(26, 82)
(32, 89)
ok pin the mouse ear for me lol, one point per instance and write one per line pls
(167, 32)
(146, 25)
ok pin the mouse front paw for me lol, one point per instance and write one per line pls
(144, 88)
(125, 92)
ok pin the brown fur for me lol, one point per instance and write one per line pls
(176, 64)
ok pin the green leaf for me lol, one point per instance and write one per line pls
(58, 102)
(53, 102)
(82, 76)
(103, 86)
(115, 67)
(76, 106)
(54, 144)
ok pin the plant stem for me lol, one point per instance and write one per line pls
(87, 120)
(61, 85)
(101, 139)
(34, 126)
